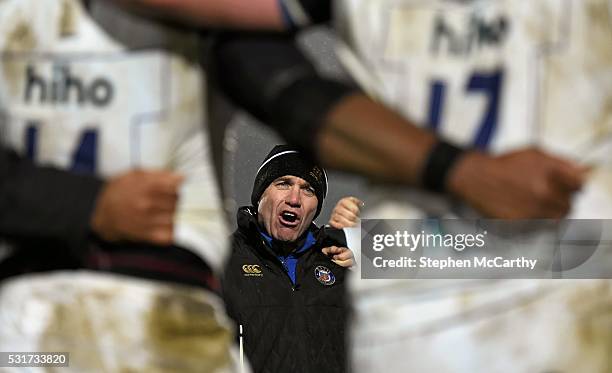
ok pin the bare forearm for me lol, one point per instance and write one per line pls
(244, 14)
(363, 136)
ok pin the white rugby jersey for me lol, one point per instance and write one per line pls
(499, 75)
(73, 96)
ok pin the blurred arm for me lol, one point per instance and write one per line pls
(248, 14)
(240, 14)
(44, 202)
(347, 130)
(50, 204)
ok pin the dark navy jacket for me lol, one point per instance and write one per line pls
(288, 326)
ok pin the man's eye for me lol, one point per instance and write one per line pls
(282, 184)
(309, 192)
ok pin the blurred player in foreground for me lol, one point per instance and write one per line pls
(497, 76)
(114, 273)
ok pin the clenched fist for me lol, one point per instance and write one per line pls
(346, 213)
(525, 184)
(138, 206)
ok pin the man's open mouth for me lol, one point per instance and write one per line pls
(289, 219)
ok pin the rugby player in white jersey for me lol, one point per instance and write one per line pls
(109, 99)
(499, 76)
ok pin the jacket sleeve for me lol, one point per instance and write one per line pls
(267, 75)
(44, 203)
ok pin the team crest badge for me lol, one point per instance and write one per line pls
(325, 275)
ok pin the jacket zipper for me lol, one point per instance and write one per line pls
(282, 267)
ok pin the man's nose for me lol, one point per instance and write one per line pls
(294, 197)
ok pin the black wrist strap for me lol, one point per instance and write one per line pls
(439, 163)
